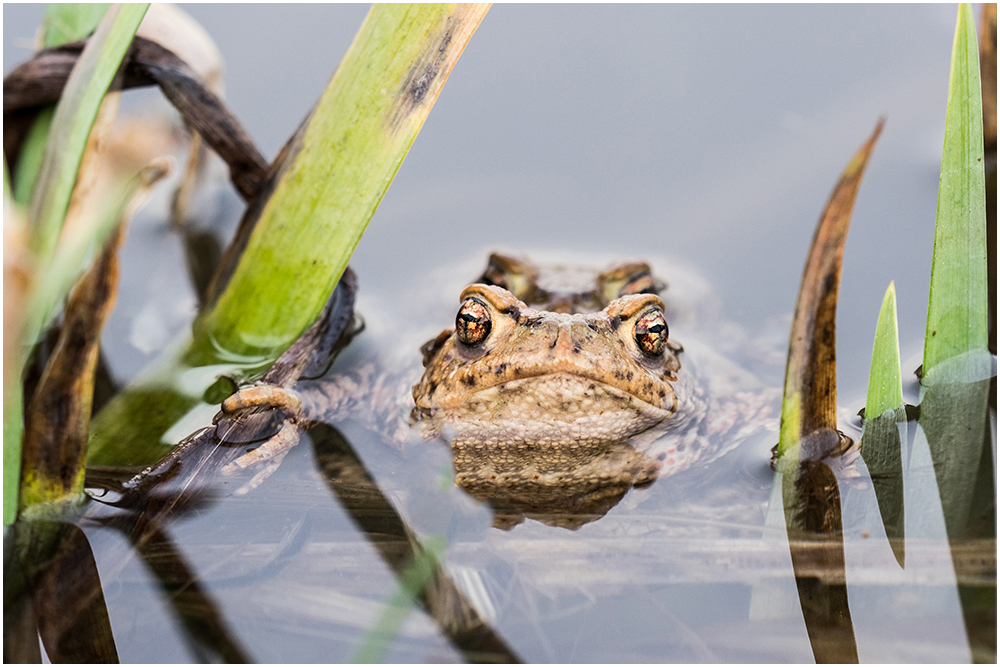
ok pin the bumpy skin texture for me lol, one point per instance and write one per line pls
(543, 378)
(543, 409)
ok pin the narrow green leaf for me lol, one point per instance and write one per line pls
(63, 23)
(957, 365)
(29, 161)
(66, 22)
(73, 119)
(881, 445)
(13, 430)
(13, 418)
(955, 396)
(411, 584)
(885, 382)
(957, 308)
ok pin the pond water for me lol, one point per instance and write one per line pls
(705, 139)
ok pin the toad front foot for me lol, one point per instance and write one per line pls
(260, 413)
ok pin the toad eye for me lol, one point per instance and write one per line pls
(651, 333)
(473, 323)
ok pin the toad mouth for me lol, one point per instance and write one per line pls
(583, 382)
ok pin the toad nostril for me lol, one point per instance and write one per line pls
(554, 340)
(560, 335)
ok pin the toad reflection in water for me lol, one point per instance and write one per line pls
(558, 389)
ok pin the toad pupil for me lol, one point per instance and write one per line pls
(473, 324)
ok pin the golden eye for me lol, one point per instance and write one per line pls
(473, 323)
(651, 333)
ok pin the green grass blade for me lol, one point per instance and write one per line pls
(954, 407)
(70, 128)
(13, 431)
(411, 583)
(13, 417)
(73, 119)
(957, 308)
(63, 23)
(988, 76)
(29, 161)
(66, 22)
(881, 444)
(885, 382)
(957, 365)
